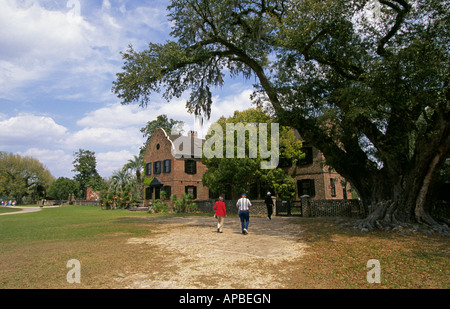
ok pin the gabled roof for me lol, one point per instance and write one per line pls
(156, 183)
(185, 146)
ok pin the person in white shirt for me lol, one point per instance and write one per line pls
(244, 204)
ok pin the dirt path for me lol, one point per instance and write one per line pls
(199, 257)
(24, 210)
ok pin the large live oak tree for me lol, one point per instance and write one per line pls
(366, 82)
(22, 177)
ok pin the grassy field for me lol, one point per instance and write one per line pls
(338, 258)
(35, 247)
(4, 210)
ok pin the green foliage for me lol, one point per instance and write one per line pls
(283, 185)
(240, 173)
(184, 205)
(116, 199)
(23, 177)
(137, 165)
(159, 206)
(61, 188)
(85, 167)
(147, 181)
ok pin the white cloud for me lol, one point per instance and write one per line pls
(34, 31)
(117, 116)
(60, 163)
(34, 39)
(99, 138)
(57, 161)
(108, 162)
(30, 130)
(106, 5)
(112, 131)
(77, 54)
(227, 105)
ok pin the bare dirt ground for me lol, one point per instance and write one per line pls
(196, 256)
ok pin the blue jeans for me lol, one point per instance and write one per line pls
(245, 218)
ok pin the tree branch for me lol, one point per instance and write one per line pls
(401, 13)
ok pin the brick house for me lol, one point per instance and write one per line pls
(173, 162)
(314, 178)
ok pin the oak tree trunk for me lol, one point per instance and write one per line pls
(398, 200)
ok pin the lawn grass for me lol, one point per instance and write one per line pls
(337, 258)
(4, 210)
(35, 248)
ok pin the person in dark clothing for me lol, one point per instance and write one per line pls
(269, 204)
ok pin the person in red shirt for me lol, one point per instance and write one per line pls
(221, 213)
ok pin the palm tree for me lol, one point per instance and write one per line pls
(137, 165)
(119, 180)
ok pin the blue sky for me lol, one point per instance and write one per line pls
(58, 59)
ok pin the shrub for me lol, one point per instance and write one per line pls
(159, 206)
(185, 204)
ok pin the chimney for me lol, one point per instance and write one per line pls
(192, 133)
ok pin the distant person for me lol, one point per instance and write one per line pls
(221, 213)
(269, 204)
(244, 204)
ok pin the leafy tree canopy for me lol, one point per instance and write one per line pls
(85, 167)
(23, 177)
(240, 173)
(61, 188)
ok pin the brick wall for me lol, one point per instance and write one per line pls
(321, 174)
(92, 195)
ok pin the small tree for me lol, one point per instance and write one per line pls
(282, 184)
(137, 165)
(61, 188)
(240, 173)
(85, 167)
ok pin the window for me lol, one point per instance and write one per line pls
(333, 187)
(344, 189)
(191, 190)
(148, 169)
(306, 187)
(190, 167)
(308, 159)
(157, 167)
(167, 166)
(284, 162)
